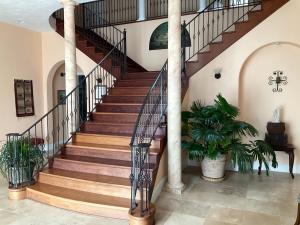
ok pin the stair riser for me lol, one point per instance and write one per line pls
(115, 118)
(77, 206)
(86, 186)
(135, 83)
(123, 99)
(110, 140)
(141, 75)
(93, 168)
(119, 155)
(119, 108)
(129, 91)
(103, 128)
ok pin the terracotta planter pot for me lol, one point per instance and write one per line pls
(213, 170)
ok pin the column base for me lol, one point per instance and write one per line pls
(178, 190)
(141, 19)
(17, 194)
(148, 219)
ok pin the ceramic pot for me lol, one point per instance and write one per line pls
(213, 169)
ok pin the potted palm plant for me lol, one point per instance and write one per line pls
(19, 158)
(212, 133)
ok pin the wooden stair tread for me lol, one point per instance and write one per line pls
(115, 113)
(108, 103)
(107, 147)
(112, 124)
(81, 196)
(110, 133)
(94, 160)
(114, 136)
(87, 177)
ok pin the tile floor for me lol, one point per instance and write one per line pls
(239, 200)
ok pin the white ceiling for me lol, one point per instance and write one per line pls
(30, 14)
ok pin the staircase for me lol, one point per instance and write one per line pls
(90, 173)
(222, 38)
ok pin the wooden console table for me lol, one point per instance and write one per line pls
(289, 149)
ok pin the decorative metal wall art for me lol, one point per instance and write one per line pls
(277, 79)
(24, 98)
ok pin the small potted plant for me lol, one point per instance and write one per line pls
(212, 134)
(19, 158)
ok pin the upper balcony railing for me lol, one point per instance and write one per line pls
(126, 11)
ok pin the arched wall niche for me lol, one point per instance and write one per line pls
(257, 101)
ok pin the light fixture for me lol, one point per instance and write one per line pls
(218, 73)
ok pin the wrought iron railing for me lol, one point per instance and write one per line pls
(115, 11)
(95, 28)
(155, 104)
(159, 8)
(149, 119)
(34, 149)
(218, 17)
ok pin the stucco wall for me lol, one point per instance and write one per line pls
(139, 35)
(20, 58)
(245, 68)
(53, 58)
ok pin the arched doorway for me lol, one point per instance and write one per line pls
(60, 116)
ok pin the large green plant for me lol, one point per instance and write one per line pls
(210, 131)
(19, 155)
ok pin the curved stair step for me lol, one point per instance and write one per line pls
(108, 128)
(80, 201)
(102, 166)
(114, 117)
(124, 99)
(106, 151)
(111, 140)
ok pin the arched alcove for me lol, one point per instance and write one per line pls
(257, 101)
(55, 71)
(159, 37)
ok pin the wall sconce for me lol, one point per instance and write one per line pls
(278, 79)
(218, 73)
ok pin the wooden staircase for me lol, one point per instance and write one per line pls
(91, 175)
(268, 7)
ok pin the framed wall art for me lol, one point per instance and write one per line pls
(61, 94)
(24, 98)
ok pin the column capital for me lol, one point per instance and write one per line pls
(68, 2)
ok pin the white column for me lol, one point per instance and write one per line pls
(142, 10)
(202, 5)
(70, 59)
(175, 184)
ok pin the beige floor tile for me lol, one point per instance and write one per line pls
(225, 215)
(251, 218)
(183, 219)
(213, 222)
(239, 200)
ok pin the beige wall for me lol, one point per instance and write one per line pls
(20, 58)
(53, 58)
(245, 69)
